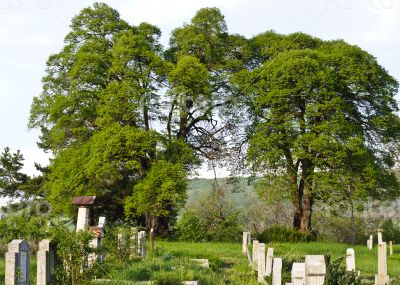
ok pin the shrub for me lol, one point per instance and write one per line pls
(390, 231)
(336, 274)
(190, 228)
(282, 234)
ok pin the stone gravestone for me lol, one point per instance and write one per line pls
(379, 236)
(45, 263)
(277, 271)
(268, 262)
(382, 278)
(391, 247)
(97, 241)
(142, 244)
(370, 242)
(246, 242)
(315, 269)
(261, 262)
(298, 273)
(17, 263)
(254, 256)
(133, 242)
(350, 260)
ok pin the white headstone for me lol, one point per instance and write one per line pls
(142, 243)
(45, 263)
(246, 241)
(350, 260)
(315, 269)
(380, 240)
(201, 261)
(261, 262)
(102, 222)
(268, 262)
(17, 263)
(391, 247)
(298, 273)
(255, 254)
(382, 278)
(277, 271)
(369, 243)
(82, 222)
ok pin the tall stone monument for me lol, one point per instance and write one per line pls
(17, 263)
(45, 263)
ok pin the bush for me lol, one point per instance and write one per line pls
(190, 228)
(336, 274)
(390, 231)
(283, 234)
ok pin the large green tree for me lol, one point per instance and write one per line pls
(315, 105)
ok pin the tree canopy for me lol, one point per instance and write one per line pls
(128, 120)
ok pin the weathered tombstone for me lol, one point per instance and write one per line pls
(277, 271)
(95, 243)
(255, 254)
(17, 263)
(133, 242)
(379, 235)
(201, 262)
(268, 262)
(246, 241)
(45, 263)
(142, 244)
(191, 282)
(350, 260)
(261, 262)
(315, 269)
(391, 247)
(298, 273)
(382, 278)
(370, 242)
(84, 203)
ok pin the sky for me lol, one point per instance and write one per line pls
(31, 30)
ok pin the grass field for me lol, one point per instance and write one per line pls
(172, 263)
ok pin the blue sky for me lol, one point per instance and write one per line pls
(31, 30)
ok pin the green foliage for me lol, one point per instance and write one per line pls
(164, 187)
(391, 232)
(323, 111)
(282, 234)
(190, 227)
(211, 217)
(24, 221)
(11, 177)
(336, 273)
(72, 252)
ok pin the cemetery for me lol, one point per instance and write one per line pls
(201, 156)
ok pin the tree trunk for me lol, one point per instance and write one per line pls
(303, 196)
